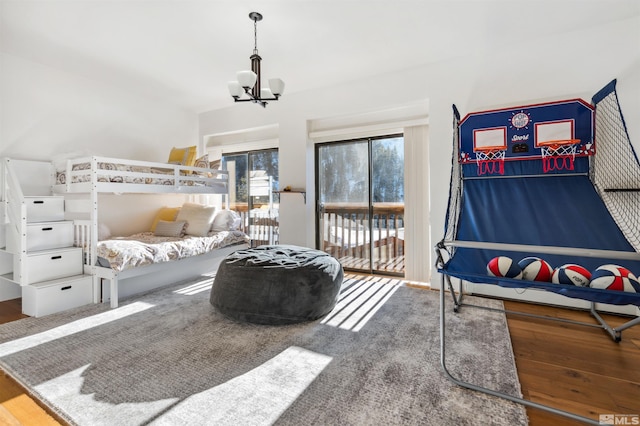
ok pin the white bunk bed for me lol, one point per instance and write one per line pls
(91, 176)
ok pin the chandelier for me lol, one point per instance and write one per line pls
(248, 82)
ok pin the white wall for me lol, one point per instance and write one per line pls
(47, 114)
(576, 64)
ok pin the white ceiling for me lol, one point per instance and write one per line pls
(185, 51)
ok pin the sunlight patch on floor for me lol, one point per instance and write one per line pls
(195, 288)
(360, 298)
(67, 390)
(73, 327)
(259, 396)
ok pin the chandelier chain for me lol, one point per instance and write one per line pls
(255, 37)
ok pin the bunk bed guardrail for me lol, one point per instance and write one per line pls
(105, 174)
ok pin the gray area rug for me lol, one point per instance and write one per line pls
(169, 358)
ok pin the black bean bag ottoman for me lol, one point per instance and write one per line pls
(277, 284)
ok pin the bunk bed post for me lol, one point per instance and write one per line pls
(114, 292)
(3, 189)
(16, 215)
(93, 231)
(95, 282)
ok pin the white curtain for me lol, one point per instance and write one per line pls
(418, 247)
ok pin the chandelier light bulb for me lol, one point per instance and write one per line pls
(235, 89)
(277, 86)
(247, 79)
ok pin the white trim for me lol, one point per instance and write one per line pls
(218, 151)
(252, 139)
(368, 124)
(372, 130)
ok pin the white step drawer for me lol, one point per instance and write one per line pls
(51, 264)
(55, 296)
(49, 235)
(44, 209)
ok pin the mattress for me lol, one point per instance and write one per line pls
(145, 248)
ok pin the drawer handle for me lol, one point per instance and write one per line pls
(38, 202)
(56, 257)
(47, 229)
(65, 288)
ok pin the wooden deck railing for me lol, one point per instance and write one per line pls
(347, 231)
(262, 225)
(362, 242)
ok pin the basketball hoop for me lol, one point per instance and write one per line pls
(490, 160)
(558, 154)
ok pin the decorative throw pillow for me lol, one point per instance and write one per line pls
(168, 214)
(183, 156)
(202, 161)
(170, 229)
(225, 220)
(198, 218)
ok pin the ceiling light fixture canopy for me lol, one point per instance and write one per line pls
(248, 82)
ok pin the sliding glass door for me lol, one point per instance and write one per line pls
(343, 202)
(360, 203)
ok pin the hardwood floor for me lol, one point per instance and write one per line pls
(16, 406)
(571, 367)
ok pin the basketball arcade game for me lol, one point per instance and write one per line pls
(525, 182)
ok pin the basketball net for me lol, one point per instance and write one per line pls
(558, 155)
(490, 161)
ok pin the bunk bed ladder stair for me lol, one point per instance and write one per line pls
(46, 265)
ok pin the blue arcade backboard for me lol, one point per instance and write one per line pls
(553, 137)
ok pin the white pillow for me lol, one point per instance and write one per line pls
(225, 220)
(169, 229)
(198, 217)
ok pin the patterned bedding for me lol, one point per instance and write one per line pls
(164, 176)
(145, 248)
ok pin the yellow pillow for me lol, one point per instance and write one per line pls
(167, 214)
(183, 156)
